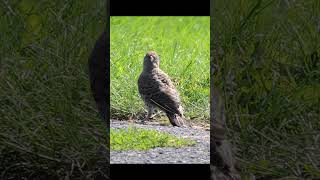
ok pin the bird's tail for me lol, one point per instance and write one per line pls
(176, 120)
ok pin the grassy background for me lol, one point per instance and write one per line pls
(49, 125)
(268, 55)
(183, 45)
(134, 138)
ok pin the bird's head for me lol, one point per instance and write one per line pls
(151, 60)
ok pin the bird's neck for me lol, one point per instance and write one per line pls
(149, 68)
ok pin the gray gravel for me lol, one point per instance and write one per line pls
(197, 154)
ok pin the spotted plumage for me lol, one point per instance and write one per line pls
(158, 91)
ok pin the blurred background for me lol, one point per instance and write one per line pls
(267, 54)
(49, 125)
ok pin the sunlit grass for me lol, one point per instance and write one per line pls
(141, 139)
(184, 48)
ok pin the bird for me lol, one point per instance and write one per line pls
(158, 91)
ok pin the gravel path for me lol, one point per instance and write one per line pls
(197, 154)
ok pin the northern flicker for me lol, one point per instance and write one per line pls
(158, 91)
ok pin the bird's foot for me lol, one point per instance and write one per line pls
(145, 120)
(152, 116)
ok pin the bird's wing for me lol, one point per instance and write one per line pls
(166, 97)
(158, 89)
(164, 79)
(167, 101)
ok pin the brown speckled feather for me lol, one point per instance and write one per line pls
(157, 90)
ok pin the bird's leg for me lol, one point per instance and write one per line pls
(150, 113)
(155, 113)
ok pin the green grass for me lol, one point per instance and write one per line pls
(268, 56)
(49, 125)
(134, 138)
(184, 48)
